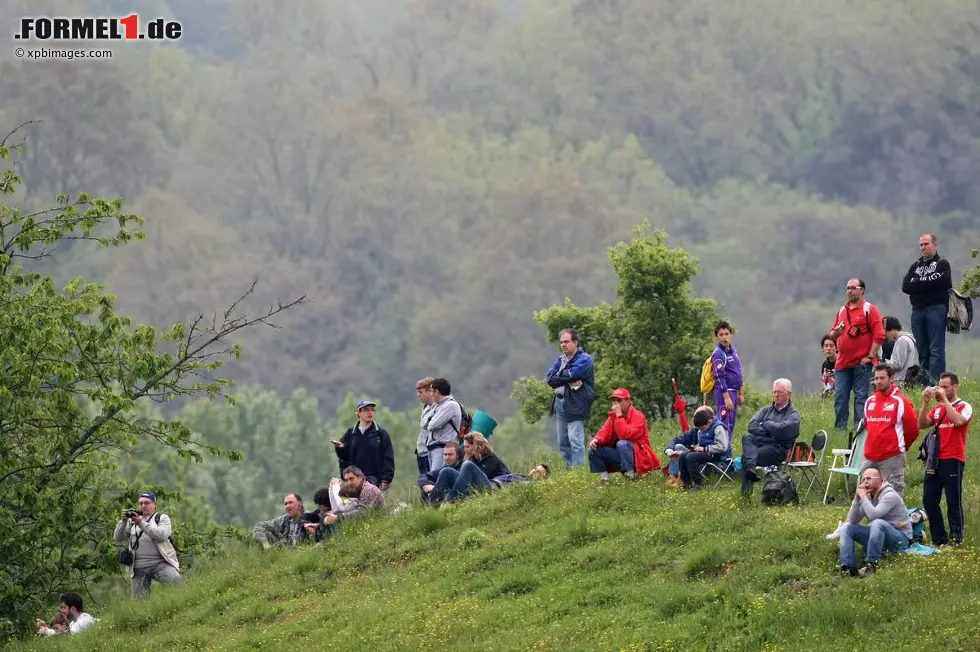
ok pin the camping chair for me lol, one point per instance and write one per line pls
(809, 468)
(722, 467)
(855, 458)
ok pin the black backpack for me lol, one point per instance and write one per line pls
(778, 488)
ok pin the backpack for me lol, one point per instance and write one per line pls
(959, 316)
(778, 488)
(466, 420)
(801, 452)
(707, 374)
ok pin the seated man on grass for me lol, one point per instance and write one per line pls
(363, 495)
(476, 472)
(453, 459)
(888, 529)
(623, 442)
(288, 529)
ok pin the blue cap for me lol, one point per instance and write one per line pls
(366, 402)
(149, 494)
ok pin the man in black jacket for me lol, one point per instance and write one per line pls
(928, 283)
(367, 446)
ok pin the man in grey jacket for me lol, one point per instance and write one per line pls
(148, 533)
(424, 389)
(772, 432)
(904, 359)
(888, 529)
(443, 423)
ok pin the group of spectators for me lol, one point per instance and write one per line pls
(853, 365)
(453, 462)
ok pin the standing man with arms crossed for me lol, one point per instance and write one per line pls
(727, 370)
(945, 465)
(573, 380)
(859, 333)
(928, 283)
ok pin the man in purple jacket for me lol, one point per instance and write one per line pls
(727, 370)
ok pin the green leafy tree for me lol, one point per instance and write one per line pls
(657, 329)
(73, 374)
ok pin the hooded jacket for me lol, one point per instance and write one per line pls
(928, 282)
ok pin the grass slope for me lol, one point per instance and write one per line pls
(570, 565)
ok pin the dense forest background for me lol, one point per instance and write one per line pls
(431, 172)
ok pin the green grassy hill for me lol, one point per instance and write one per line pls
(568, 564)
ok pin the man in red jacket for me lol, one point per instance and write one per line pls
(892, 424)
(858, 332)
(623, 442)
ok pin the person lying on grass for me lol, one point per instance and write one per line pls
(539, 472)
(480, 467)
(888, 529)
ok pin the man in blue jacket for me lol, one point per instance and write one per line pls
(573, 379)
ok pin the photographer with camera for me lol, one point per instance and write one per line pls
(150, 554)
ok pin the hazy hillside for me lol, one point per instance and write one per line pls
(431, 172)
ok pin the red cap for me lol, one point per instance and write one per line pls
(621, 392)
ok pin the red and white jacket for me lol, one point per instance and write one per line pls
(891, 422)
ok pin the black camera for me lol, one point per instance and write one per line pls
(130, 513)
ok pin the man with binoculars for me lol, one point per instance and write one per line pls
(151, 554)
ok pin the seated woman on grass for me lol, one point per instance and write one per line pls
(479, 468)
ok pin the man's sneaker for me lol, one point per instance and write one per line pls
(868, 569)
(631, 474)
(848, 571)
(604, 476)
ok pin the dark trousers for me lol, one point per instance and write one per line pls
(929, 331)
(760, 454)
(423, 462)
(690, 464)
(948, 478)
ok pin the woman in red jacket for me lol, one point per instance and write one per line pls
(623, 442)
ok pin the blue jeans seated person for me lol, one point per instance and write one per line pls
(619, 457)
(889, 528)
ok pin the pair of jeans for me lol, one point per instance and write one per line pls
(620, 457)
(674, 466)
(949, 478)
(571, 437)
(878, 538)
(691, 464)
(858, 380)
(454, 485)
(929, 331)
